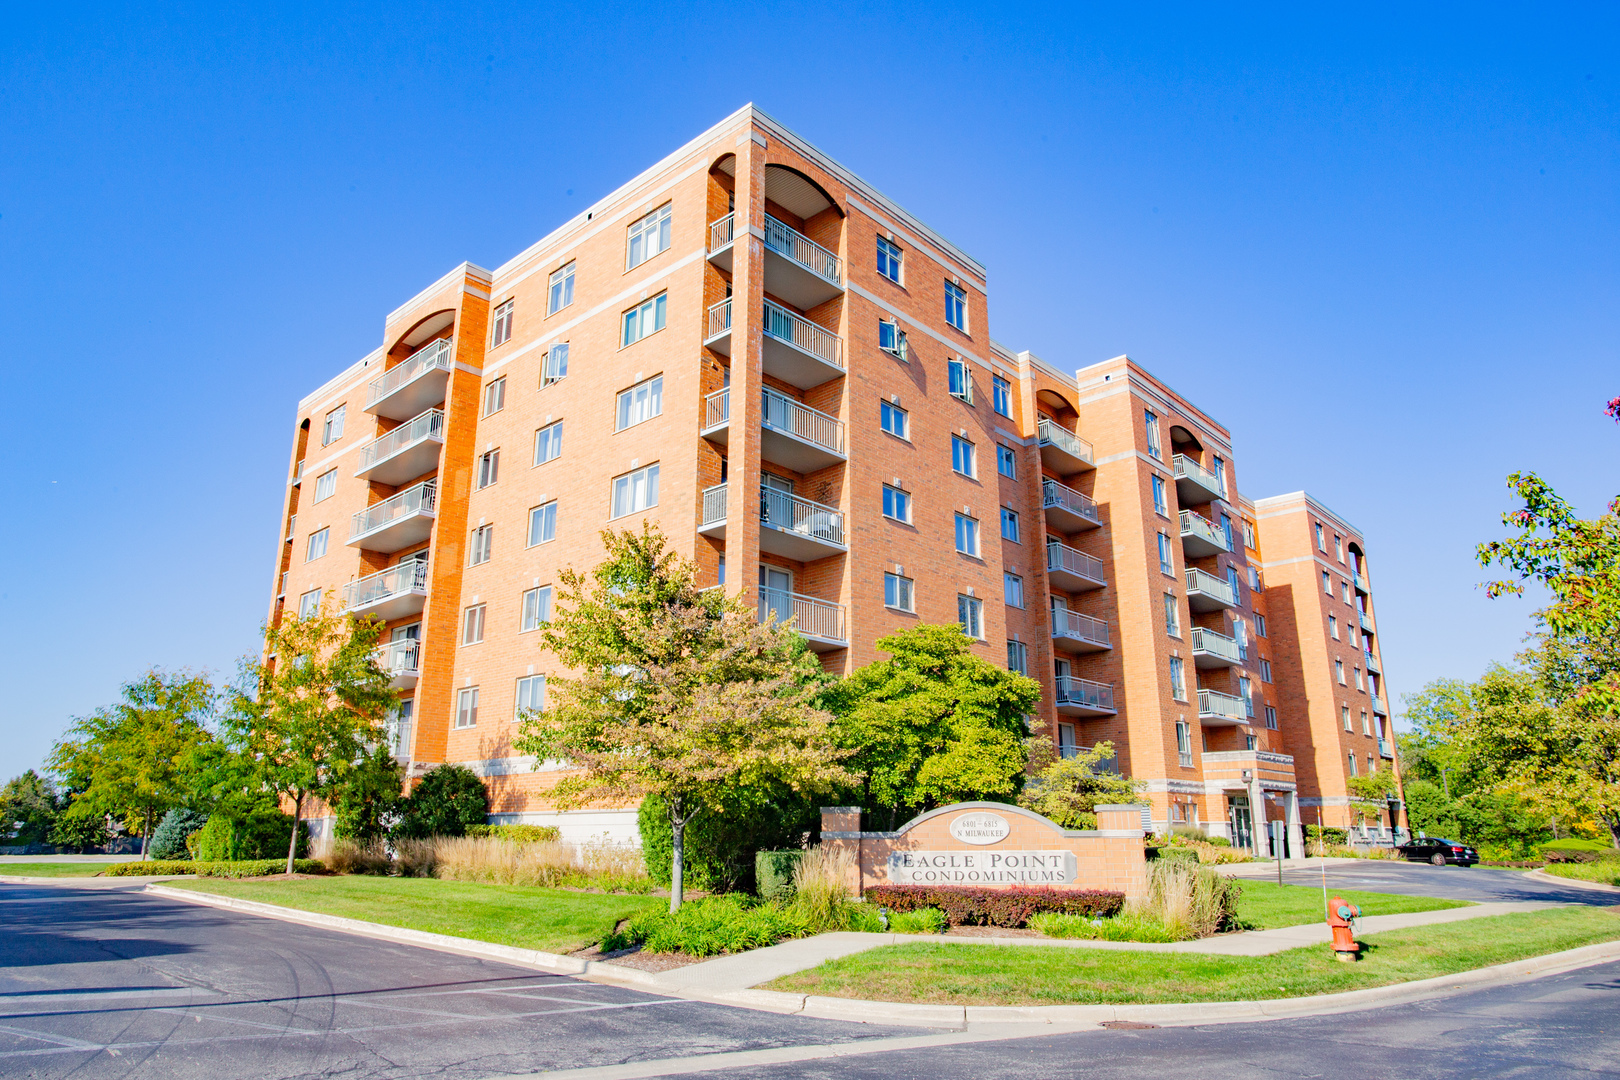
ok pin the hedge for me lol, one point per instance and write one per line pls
(965, 905)
(241, 868)
(773, 873)
(522, 834)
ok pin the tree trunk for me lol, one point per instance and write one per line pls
(677, 863)
(146, 834)
(292, 844)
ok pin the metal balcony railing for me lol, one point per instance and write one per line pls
(811, 617)
(1194, 524)
(408, 576)
(1372, 663)
(813, 426)
(1361, 583)
(1379, 708)
(784, 239)
(1072, 624)
(1061, 557)
(1054, 494)
(788, 512)
(399, 657)
(1385, 749)
(1084, 692)
(298, 473)
(436, 355)
(1216, 644)
(720, 233)
(1064, 440)
(716, 408)
(1212, 586)
(719, 319)
(1366, 622)
(399, 738)
(1226, 706)
(292, 530)
(1186, 467)
(800, 332)
(420, 498)
(714, 504)
(428, 425)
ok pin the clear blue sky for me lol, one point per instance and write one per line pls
(1382, 250)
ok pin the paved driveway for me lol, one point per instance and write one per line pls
(1477, 883)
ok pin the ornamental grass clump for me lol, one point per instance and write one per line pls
(821, 888)
(1123, 927)
(928, 920)
(345, 856)
(1187, 901)
(550, 864)
(709, 927)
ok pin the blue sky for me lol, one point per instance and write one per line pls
(1382, 249)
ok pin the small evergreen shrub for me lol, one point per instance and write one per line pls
(447, 801)
(966, 905)
(169, 838)
(225, 869)
(773, 873)
(260, 834)
(521, 834)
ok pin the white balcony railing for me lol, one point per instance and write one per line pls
(409, 576)
(1379, 708)
(1061, 496)
(402, 657)
(436, 355)
(1216, 644)
(1197, 525)
(788, 512)
(428, 425)
(1063, 558)
(1225, 706)
(1361, 583)
(800, 332)
(1072, 624)
(714, 504)
(1366, 622)
(720, 233)
(1385, 749)
(1084, 692)
(1064, 439)
(716, 408)
(811, 617)
(719, 319)
(1372, 663)
(1211, 586)
(813, 426)
(418, 499)
(783, 239)
(399, 738)
(1186, 467)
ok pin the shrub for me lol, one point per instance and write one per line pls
(720, 847)
(523, 834)
(1187, 901)
(773, 873)
(262, 833)
(213, 840)
(708, 927)
(1326, 835)
(966, 905)
(1122, 927)
(1186, 854)
(236, 868)
(369, 797)
(445, 802)
(169, 838)
(930, 920)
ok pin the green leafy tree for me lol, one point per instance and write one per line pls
(308, 714)
(29, 805)
(370, 796)
(1068, 789)
(933, 724)
(444, 802)
(128, 760)
(80, 831)
(679, 693)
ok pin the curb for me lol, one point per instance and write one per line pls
(1554, 879)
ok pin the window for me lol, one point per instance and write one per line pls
(1151, 422)
(641, 402)
(1333, 627)
(1160, 504)
(1001, 396)
(643, 320)
(531, 696)
(1240, 634)
(888, 260)
(543, 523)
(1184, 743)
(1250, 742)
(1265, 670)
(1338, 546)
(1352, 757)
(332, 430)
(1178, 678)
(1232, 580)
(561, 293)
(1254, 579)
(1321, 543)
(1327, 583)
(970, 613)
(1248, 535)
(959, 380)
(548, 443)
(556, 368)
(1246, 692)
(472, 624)
(1359, 684)
(1260, 625)
(1009, 525)
(536, 609)
(967, 535)
(956, 306)
(500, 330)
(1167, 562)
(1172, 615)
(894, 419)
(1006, 462)
(1218, 467)
(1344, 591)
(648, 237)
(1226, 530)
(467, 707)
(962, 456)
(899, 593)
(1018, 657)
(1366, 728)
(896, 504)
(891, 339)
(317, 544)
(489, 468)
(495, 396)
(1013, 587)
(1344, 716)
(326, 485)
(309, 604)
(1338, 671)
(634, 492)
(483, 545)
(1271, 717)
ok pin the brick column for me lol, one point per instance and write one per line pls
(841, 831)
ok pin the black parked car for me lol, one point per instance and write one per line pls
(1433, 849)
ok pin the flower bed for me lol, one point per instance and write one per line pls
(965, 905)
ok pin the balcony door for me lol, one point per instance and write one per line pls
(776, 500)
(413, 632)
(775, 593)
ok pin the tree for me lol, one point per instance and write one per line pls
(309, 712)
(370, 796)
(1068, 789)
(680, 694)
(444, 802)
(933, 724)
(128, 760)
(29, 804)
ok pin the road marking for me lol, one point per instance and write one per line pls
(28, 997)
(62, 1041)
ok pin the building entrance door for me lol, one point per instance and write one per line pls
(1242, 821)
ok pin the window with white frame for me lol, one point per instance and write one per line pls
(1248, 535)
(1167, 559)
(500, 328)
(531, 696)
(1344, 591)
(317, 544)
(1321, 538)
(326, 485)
(1359, 684)
(888, 259)
(959, 380)
(1254, 578)
(1172, 615)
(543, 523)
(896, 504)
(970, 613)
(899, 592)
(548, 443)
(641, 402)
(956, 306)
(1338, 547)
(1260, 626)
(1012, 586)
(635, 491)
(556, 366)
(1006, 462)
(967, 535)
(1246, 692)
(472, 624)
(1178, 678)
(644, 319)
(1344, 717)
(1338, 671)
(1265, 670)
(536, 609)
(1150, 423)
(1160, 504)
(560, 294)
(1250, 742)
(1327, 583)
(1018, 657)
(649, 236)
(894, 419)
(892, 339)
(962, 458)
(1333, 627)
(489, 468)
(1001, 396)
(1271, 717)
(495, 396)
(309, 604)
(482, 546)
(1009, 525)
(332, 429)
(1366, 726)
(1352, 756)
(467, 707)
(1184, 743)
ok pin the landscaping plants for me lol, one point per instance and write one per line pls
(238, 869)
(1187, 901)
(928, 920)
(1125, 926)
(708, 927)
(965, 905)
(523, 834)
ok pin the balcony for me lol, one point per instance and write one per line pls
(792, 433)
(713, 521)
(1366, 621)
(821, 623)
(418, 382)
(1216, 709)
(1196, 485)
(798, 351)
(396, 523)
(292, 529)
(1361, 584)
(1071, 570)
(402, 660)
(1386, 749)
(1372, 663)
(1206, 592)
(389, 594)
(1083, 697)
(718, 334)
(1201, 536)
(1079, 633)
(722, 234)
(1062, 450)
(798, 269)
(298, 474)
(1214, 650)
(796, 528)
(1068, 511)
(1379, 709)
(406, 452)
(398, 738)
(717, 417)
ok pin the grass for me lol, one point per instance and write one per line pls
(1265, 905)
(53, 869)
(1012, 975)
(552, 920)
(1606, 871)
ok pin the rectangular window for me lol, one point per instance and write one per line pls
(1013, 587)
(1167, 563)
(888, 259)
(1178, 678)
(1344, 591)
(489, 468)
(1254, 578)
(1018, 657)
(531, 696)
(891, 339)
(1250, 742)
(536, 609)
(1218, 467)
(894, 419)
(1151, 423)
(896, 504)
(1359, 684)
(1184, 743)
(1246, 692)
(899, 593)
(967, 535)
(634, 492)
(641, 402)
(561, 292)
(970, 613)
(956, 306)
(1160, 504)
(543, 523)
(483, 545)
(1226, 530)
(308, 605)
(332, 430)
(467, 707)
(317, 544)
(1338, 546)
(962, 459)
(556, 368)
(1338, 671)
(1327, 583)
(648, 237)
(644, 319)
(1271, 717)
(1248, 535)
(1009, 525)
(1260, 625)
(1001, 396)
(1240, 633)
(1344, 717)
(548, 443)
(1006, 462)
(959, 379)
(1321, 542)
(1333, 627)
(1172, 615)
(1366, 728)
(472, 624)
(500, 330)
(495, 396)
(1352, 757)
(326, 485)
(1265, 670)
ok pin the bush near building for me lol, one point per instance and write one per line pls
(236, 868)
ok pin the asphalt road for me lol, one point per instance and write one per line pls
(1481, 884)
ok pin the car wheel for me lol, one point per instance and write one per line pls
(1438, 859)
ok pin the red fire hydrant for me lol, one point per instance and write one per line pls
(1341, 917)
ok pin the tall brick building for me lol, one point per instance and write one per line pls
(795, 379)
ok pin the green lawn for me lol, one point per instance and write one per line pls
(552, 920)
(1265, 905)
(1010, 975)
(52, 869)
(1606, 871)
